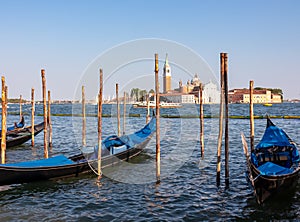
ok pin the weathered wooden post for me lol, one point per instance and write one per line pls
(157, 121)
(148, 109)
(6, 97)
(201, 116)
(124, 113)
(20, 106)
(45, 113)
(83, 118)
(100, 124)
(226, 121)
(118, 109)
(251, 115)
(3, 125)
(32, 116)
(49, 119)
(220, 120)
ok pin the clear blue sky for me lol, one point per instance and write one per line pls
(262, 38)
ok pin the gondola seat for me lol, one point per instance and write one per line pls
(270, 168)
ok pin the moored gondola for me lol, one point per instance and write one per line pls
(19, 136)
(274, 164)
(115, 149)
(16, 126)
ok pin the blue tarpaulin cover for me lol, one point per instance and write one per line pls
(274, 136)
(52, 161)
(132, 139)
(21, 124)
(270, 168)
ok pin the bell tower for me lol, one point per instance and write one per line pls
(167, 76)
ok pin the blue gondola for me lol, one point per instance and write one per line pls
(122, 149)
(274, 164)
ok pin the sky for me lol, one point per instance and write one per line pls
(65, 37)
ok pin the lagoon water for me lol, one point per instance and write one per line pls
(128, 192)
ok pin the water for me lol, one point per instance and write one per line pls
(128, 192)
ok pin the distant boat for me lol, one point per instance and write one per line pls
(1, 106)
(274, 164)
(268, 104)
(152, 104)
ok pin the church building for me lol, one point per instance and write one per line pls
(166, 76)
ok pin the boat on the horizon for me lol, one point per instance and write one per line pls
(114, 150)
(268, 104)
(274, 165)
(152, 104)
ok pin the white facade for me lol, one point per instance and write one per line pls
(211, 94)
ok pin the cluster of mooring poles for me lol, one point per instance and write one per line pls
(99, 114)
(99, 117)
(46, 114)
(48, 125)
(223, 102)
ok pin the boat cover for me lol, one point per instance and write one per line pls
(21, 124)
(274, 137)
(52, 161)
(270, 168)
(132, 139)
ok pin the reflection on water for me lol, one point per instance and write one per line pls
(187, 191)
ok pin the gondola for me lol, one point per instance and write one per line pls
(115, 149)
(274, 164)
(62, 166)
(16, 126)
(19, 136)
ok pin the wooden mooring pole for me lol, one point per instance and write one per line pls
(226, 121)
(100, 124)
(251, 116)
(148, 110)
(220, 120)
(118, 109)
(124, 113)
(201, 116)
(20, 107)
(83, 117)
(6, 97)
(49, 119)
(157, 121)
(32, 116)
(3, 125)
(45, 113)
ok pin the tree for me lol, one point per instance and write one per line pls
(134, 93)
(143, 95)
(151, 91)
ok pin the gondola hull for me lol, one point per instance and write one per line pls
(18, 175)
(266, 186)
(274, 165)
